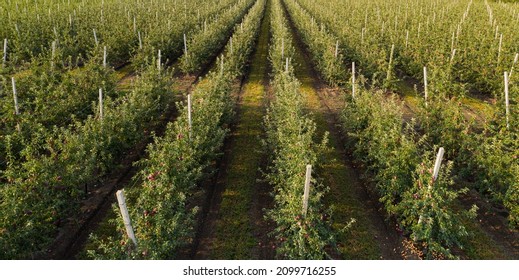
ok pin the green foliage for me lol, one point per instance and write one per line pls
(159, 209)
(292, 145)
(400, 164)
(321, 44)
(44, 177)
(204, 45)
(426, 210)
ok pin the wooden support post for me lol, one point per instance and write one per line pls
(437, 164)
(336, 48)
(126, 217)
(308, 178)
(507, 101)
(286, 65)
(425, 84)
(353, 79)
(189, 120)
(15, 96)
(101, 104)
(230, 44)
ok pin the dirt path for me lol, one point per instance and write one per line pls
(370, 236)
(491, 227)
(234, 227)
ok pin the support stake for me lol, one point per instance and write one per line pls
(126, 217)
(438, 163)
(4, 60)
(101, 103)
(185, 44)
(104, 57)
(353, 79)
(95, 38)
(425, 84)
(507, 102)
(189, 120)
(15, 96)
(140, 40)
(159, 61)
(308, 178)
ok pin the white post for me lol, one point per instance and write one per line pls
(390, 62)
(104, 57)
(282, 48)
(286, 65)
(126, 217)
(406, 38)
(53, 54)
(5, 52)
(353, 79)
(336, 48)
(185, 44)
(437, 164)
(95, 38)
(308, 177)
(140, 40)
(499, 49)
(15, 96)
(452, 55)
(425, 84)
(189, 120)
(230, 42)
(159, 60)
(101, 103)
(452, 40)
(507, 101)
(513, 64)
(221, 65)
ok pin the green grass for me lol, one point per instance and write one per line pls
(123, 75)
(233, 237)
(103, 231)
